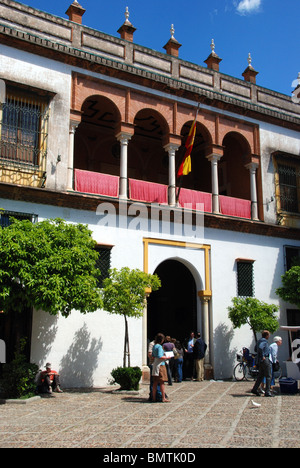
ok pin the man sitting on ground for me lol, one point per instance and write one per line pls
(48, 380)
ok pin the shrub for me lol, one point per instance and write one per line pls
(127, 377)
(19, 375)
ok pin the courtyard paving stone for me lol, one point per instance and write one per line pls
(206, 414)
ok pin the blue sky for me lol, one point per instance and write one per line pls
(268, 29)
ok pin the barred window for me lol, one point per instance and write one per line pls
(245, 278)
(103, 263)
(287, 183)
(5, 217)
(23, 128)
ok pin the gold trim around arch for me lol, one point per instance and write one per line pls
(187, 245)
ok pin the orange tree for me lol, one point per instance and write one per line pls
(255, 313)
(124, 294)
(50, 265)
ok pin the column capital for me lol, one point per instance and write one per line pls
(170, 147)
(73, 125)
(124, 137)
(205, 295)
(214, 157)
(252, 166)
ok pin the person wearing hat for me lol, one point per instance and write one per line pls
(49, 380)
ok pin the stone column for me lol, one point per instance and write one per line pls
(254, 207)
(72, 129)
(124, 138)
(171, 148)
(145, 368)
(214, 159)
(205, 297)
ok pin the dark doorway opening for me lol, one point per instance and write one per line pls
(13, 327)
(172, 310)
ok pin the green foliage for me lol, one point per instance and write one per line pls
(49, 265)
(290, 291)
(124, 294)
(257, 314)
(124, 291)
(127, 377)
(19, 375)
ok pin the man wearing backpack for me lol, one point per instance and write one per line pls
(199, 351)
(264, 364)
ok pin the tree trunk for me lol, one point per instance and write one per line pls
(126, 356)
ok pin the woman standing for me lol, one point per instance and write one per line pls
(178, 361)
(159, 371)
(274, 357)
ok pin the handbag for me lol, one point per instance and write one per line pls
(163, 373)
(276, 366)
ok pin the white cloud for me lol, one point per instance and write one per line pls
(245, 7)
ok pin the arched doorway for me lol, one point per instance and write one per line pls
(96, 147)
(172, 310)
(234, 177)
(200, 177)
(147, 158)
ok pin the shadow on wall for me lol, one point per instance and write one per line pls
(225, 358)
(46, 329)
(78, 365)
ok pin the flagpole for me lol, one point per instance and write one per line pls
(181, 177)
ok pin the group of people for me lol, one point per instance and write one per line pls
(267, 361)
(170, 360)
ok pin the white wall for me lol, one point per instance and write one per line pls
(53, 76)
(87, 347)
(272, 139)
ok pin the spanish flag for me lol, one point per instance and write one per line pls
(186, 165)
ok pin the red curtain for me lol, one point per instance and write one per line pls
(195, 198)
(149, 192)
(235, 207)
(94, 182)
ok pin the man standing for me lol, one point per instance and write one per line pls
(188, 362)
(264, 364)
(199, 351)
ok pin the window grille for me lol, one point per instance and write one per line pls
(5, 217)
(23, 130)
(288, 182)
(103, 263)
(245, 279)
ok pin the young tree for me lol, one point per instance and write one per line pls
(50, 265)
(257, 314)
(290, 291)
(124, 294)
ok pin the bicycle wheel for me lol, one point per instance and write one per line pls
(239, 372)
(250, 374)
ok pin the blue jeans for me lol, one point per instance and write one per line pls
(178, 367)
(265, 370)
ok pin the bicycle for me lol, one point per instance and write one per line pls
(246, 368)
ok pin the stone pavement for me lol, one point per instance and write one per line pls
(201, 414)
